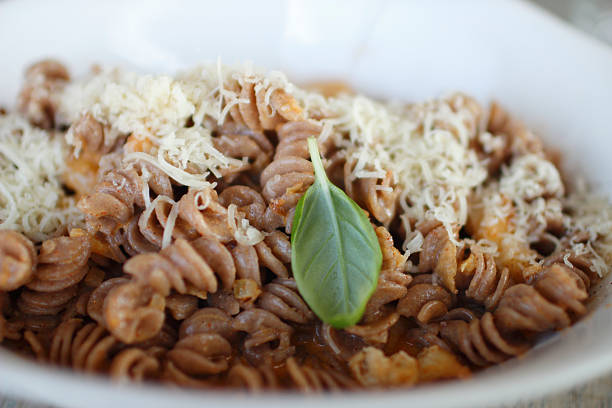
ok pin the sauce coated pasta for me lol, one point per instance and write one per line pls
(175, 264)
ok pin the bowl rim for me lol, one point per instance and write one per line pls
(17, 373)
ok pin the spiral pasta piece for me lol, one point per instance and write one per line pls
(112, 204)
(376, 195)
(476, 276)
(282, 298)
(254, 379)
(311, 379)
(439, 256)
(262, 107)
(305, 377)
(91, 137)
(17, 260)
(134, 364)
(62, 265)
(481, 341)
(392, 281)
(515, 137)
(84, 347)
(376, 332)
(180, 306)
(196, 357)
(553, 300)
(481, 280)
(252, 148)
(95, 303)
(248, 201)
(425, 301)
(184, 265)
(134, 312)
(37, 100)
(290, 174)
(264, 330)
(202, 210)
(208, 320)
(91, 140)
(146, 232)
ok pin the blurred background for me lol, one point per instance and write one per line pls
(591, 16)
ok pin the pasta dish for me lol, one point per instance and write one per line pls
(224, 227)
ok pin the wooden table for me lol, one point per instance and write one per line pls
(595, 394)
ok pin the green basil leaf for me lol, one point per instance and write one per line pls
(335, 255)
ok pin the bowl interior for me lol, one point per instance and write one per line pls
(554, 78)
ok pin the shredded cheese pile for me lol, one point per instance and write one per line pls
(158, 108)
(427, 147)
(32, 200)
(591, 214)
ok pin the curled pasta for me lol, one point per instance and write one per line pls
(254, 379)
(134, 364)
(290, 174)
(112, 204)
(392, 280)
(481, 280)
(376, 195)
(305, 377)
(37, 100)
(281, 297)
(184, 265)
(515, 138)
(134, 312)
(244, 144)
(208, 320)
(62, 264)
(249, 202)
(180, 306)
(308, 378)
(552, 301)
(425, 301)
(253, 110)
(95, 303)
(480, 340)
(439, 256)
(86, 347)
(17, 260)
(264, 330)
(196, 357)
(90, 136)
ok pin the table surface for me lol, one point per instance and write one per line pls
(595, 17)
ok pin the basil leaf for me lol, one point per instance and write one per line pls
(335, 255)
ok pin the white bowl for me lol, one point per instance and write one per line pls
(555, 78)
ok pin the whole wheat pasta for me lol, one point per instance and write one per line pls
(37, 100)
(182, 272)
(17, 260)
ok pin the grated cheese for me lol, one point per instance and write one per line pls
(428, 147)
(158, 108)
(590, 214)
(243, 232)
(32, 200)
